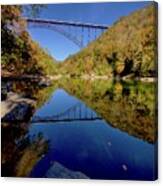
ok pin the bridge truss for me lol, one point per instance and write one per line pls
(78, 112)
(79, 33)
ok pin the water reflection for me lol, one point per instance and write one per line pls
(127, 106)
(20, 151)
(96, 149)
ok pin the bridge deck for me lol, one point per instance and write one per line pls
(54, 121)
(69, 23)
(65, 120)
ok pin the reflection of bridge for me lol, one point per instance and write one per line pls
(79, 33)
(78, 112)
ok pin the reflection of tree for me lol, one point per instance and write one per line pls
(20, 152)
(31, 154)
(10, 134)
(127, 106)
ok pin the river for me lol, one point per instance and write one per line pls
(119, 145)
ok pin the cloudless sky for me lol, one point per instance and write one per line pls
(99, 13)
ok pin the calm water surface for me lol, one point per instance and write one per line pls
(96, 148)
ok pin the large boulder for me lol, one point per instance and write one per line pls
(20, 113)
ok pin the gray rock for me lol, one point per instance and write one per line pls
(59, 171)
(21, 112)
(3, 91)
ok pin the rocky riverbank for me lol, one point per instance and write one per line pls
(16, 107)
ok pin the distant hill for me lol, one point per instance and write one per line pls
(129, 46)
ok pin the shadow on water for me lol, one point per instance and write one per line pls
(113, 148)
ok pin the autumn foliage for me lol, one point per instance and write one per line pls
(20, 54)
(129, 46)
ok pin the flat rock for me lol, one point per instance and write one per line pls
(15, 107)
(21, 112)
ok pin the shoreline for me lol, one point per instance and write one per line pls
(15, 99)
(44, 79)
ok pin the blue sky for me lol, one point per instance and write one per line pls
(100, 13)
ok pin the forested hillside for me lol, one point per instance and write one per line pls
(19, 53)
(127, 47)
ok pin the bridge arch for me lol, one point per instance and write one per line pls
(77, 41)
(63, 27)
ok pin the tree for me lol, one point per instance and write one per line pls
(20, 54)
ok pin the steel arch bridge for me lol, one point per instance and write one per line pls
(78, 112)
(79, 33)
